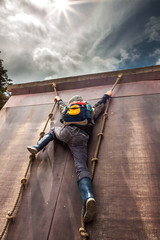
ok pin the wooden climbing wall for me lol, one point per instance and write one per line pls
(126, 183)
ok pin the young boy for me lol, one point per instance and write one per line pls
(78, 120)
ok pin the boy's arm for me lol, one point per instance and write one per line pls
(98, 108)
(61, 104)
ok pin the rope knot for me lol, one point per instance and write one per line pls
(94, 159)
(83, 232)
(42, 134)
(53, 85)
(50, 115)
(105, 115)
(100, 134)
(32, 157)
(23, 181)
(9, 216)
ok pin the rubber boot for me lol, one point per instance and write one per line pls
(41, 144)
(89, 202)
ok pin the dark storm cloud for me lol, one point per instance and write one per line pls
(153, 29)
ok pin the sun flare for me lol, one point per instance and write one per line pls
(64, 8)
(61, 5)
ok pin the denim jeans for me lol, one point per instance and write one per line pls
(77, 143)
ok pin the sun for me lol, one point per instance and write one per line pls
(63, 8)
(61, 5)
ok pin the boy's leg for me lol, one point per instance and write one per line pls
(61, 133)
(41, 144)
(80, 160)
(78, 147)
(89, 203)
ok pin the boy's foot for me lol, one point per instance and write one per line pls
(32, 149)
(90, 210)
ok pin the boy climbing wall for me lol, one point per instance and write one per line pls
(78, 119)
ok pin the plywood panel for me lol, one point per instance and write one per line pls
(40, 197)
(20, 127)
(126, 184)
(66, 220)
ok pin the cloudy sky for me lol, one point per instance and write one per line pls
(41, 40)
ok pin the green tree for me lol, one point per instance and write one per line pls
(4, 81)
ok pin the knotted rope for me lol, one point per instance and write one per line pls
(11, 214)
(94, 160)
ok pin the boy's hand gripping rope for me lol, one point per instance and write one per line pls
(11, 214)
(82, 230)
